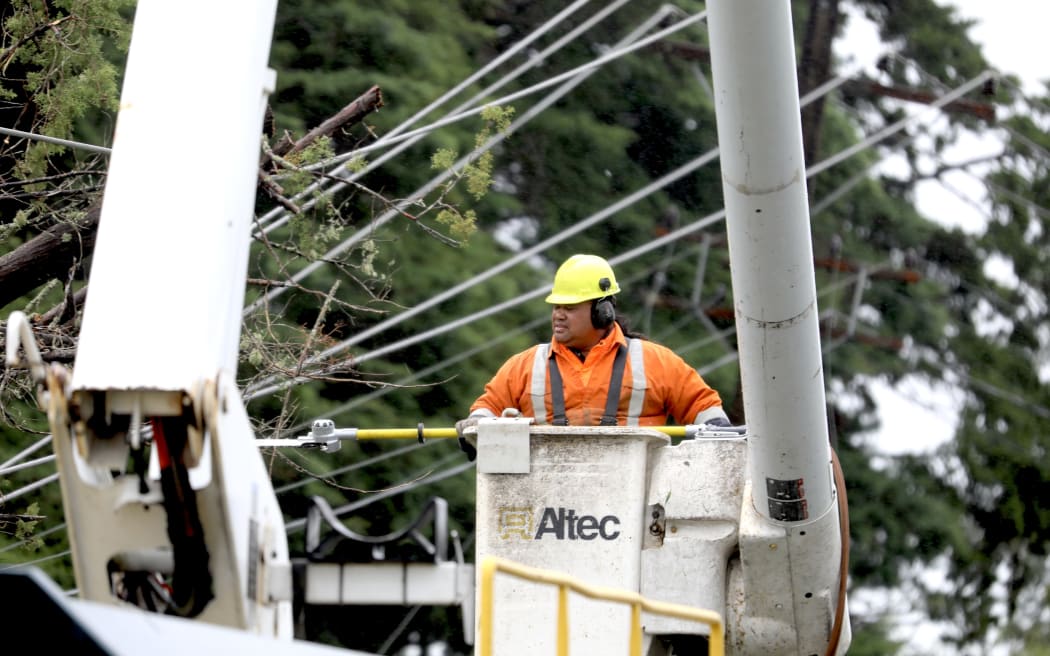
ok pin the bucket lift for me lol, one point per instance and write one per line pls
(751, 528)
(623, 508)
(167, 500)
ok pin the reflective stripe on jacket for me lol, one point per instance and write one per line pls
(657, 385)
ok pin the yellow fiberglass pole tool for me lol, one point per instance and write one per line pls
(326, 437)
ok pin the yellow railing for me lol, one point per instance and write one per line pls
(491, 564)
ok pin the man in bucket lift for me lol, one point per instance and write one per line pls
(594, 372)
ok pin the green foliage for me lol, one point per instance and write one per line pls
(25, 530)
(60, 48)
(60, 68)
(929, 308)
(479, 173)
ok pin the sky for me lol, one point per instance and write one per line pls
(916, 417)
(1012, 34)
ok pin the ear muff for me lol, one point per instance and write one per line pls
(603, 312)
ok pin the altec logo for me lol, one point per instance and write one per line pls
(556, 524)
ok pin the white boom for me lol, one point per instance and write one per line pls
(166, 496)
(771, 256)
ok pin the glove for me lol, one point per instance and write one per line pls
(463, 424)
(465, 446)
(722, 426)
(468, 448)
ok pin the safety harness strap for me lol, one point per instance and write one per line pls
(557, 394)
(545, 358)
(612, 404)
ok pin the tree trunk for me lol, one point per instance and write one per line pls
(815, 68)
(49, 255)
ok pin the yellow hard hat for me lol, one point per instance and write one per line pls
(582, 278)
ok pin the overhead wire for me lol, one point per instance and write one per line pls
(278, 215)
(464, 467)
(1008, 129)
(8, 497)
(656, 243)
(1044, 212)
(19, 544)
(625, 47)
(575, 77)
(18, 457)
(989, 185)
(534, 60)
(447, 362)
(819, 90)
(444, 364)
(270, 387)
(296, 525)
(1020, 401)
(76, 145)
(999, 392)
(5, 471)
(295, 485)
(898, 125)
(37, 561)
(636, 252)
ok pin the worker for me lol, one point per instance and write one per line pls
(594, 372)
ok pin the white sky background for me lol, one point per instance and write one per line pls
(1012, 34)
(917, 418)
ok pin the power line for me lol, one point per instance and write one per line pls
(542, 246)
(76, 145)
(42, 534)
(296, 525)
(18, 457)
(11, 496)
(620, 259)
(677, 234)
(341, 172)
(578, 75)
(352, 467)
(5, 471)
(533, 61)
(43, 559)
(444, 364)
(268, 386)
(898, 125)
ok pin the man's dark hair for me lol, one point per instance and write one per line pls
(625, 324)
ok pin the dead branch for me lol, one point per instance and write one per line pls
(866, 89)
(50, 254)
(368, 102)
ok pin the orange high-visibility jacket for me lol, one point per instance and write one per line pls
(657, 384)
